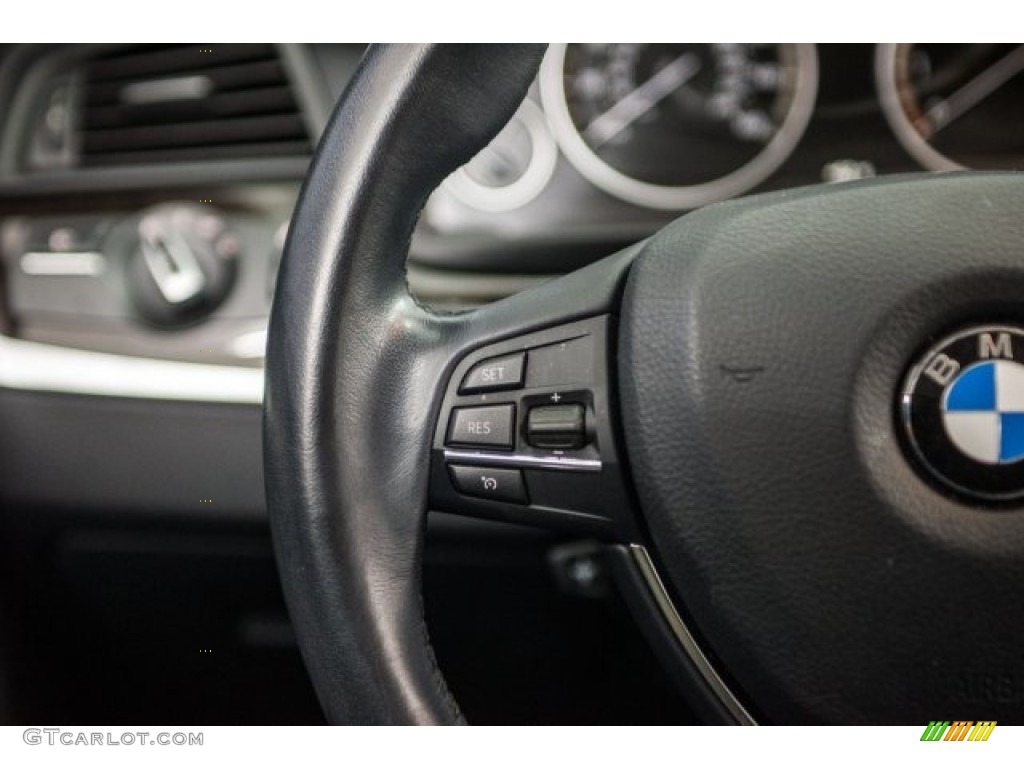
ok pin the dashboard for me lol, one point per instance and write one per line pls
(146, 190)
(145, 196)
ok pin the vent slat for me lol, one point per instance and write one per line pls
(260, 101)
(134, 63)
(199, 154)
(244, 130)
(159, 104)
(259, 74)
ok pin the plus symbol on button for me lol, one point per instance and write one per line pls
(556, 397)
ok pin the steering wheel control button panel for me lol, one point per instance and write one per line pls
(486, 427)
(557, 427)
(963, 413)
(490, 483)
(545, 453)
(496, 374)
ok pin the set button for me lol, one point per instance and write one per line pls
(505, 372)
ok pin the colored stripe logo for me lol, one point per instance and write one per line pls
(959, 730)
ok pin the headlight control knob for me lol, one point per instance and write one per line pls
(184, 264)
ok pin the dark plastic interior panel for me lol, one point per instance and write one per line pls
(144, 456)
(141, 460)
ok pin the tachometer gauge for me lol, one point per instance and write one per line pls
(682, 125)
(955, 106)
(513, 169)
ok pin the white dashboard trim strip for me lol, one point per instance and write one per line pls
(32, 366)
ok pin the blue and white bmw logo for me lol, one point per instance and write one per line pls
(963, 411)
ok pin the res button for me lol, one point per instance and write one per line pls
(504, 372)
(487, 427)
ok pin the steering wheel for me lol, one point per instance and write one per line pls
(746, 409)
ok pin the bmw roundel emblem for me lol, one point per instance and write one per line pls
(963, 410)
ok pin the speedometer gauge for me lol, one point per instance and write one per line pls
(955, 106)
(681, 125)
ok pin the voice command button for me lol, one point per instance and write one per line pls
(489, 483)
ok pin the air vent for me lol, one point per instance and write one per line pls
(187, 103)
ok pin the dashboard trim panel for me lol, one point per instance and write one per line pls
(32, 366)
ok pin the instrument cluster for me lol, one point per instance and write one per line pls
(623, 137)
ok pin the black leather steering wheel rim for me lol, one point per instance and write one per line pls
(346, 420)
